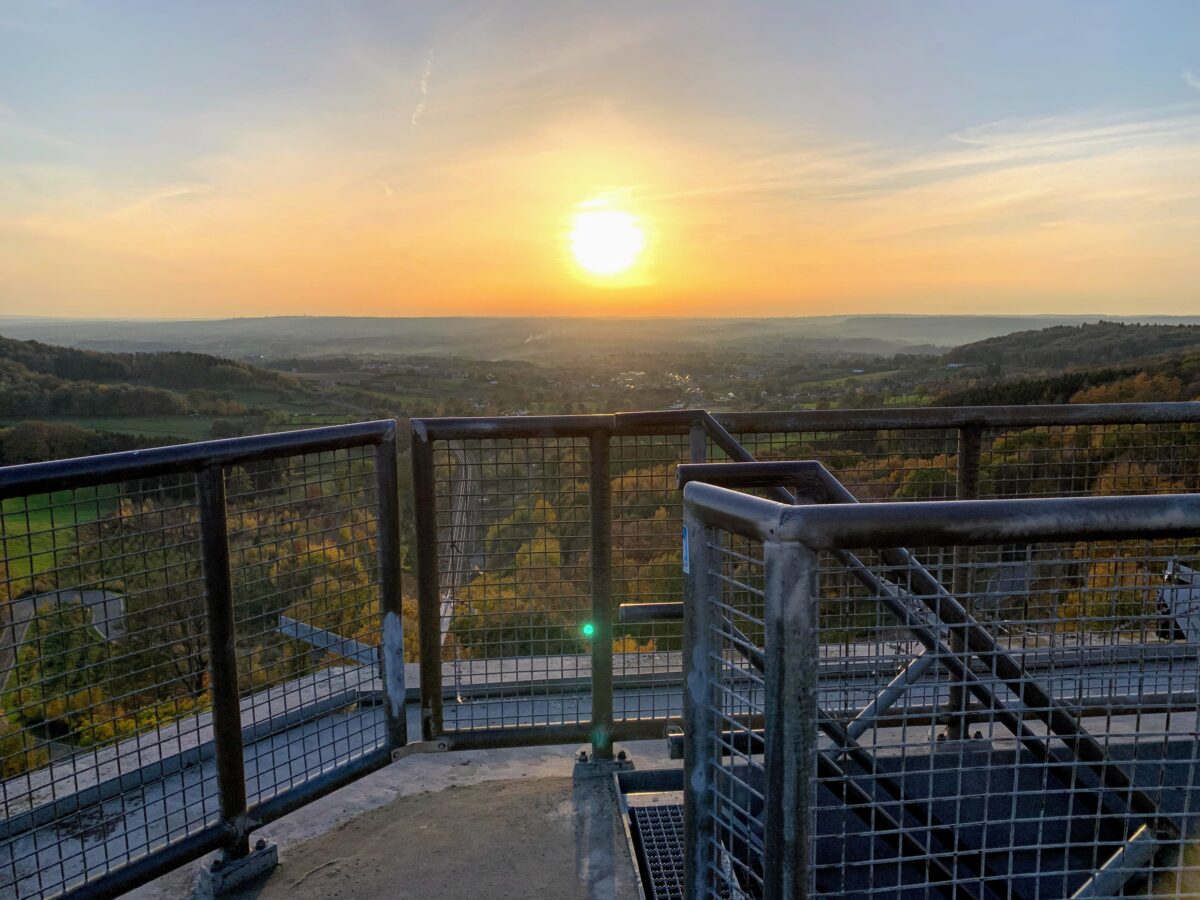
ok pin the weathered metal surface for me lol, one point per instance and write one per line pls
(790, 707)
(428, 575)
(391, 597)
(699, 712)
(57, 475)
(600, 534)
(890, 419)
(222, 659)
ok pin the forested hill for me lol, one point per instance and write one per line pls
(44, 381)
(1065, 346)
(171, 370)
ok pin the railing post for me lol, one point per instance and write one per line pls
(600, 504)
(428, 578)
(970, 442)
(222, 658)
(697, 443)
(700, 699)
(790, 708)
(391, 596)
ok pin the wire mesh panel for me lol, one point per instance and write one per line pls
(1079, 771)
(892, 464)
(647, 568)
(104, 666)
(513, 543)
(111, 668)
(1064, 461)
(1036, 461)
(736, 642)
(1080, 721)
(305, 575)
(515, 603)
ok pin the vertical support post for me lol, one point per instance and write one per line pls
(791, 718)
(700, 592)
(428, 578)
(697, 443)
(600, 504)
(222, 659)
(390, 593)
(970, 442)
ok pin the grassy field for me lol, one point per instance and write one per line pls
(192, 427)
(32, 529)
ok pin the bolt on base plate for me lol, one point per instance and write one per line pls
(225, 874)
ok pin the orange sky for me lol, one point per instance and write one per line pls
(434, 170)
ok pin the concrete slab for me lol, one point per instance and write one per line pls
(494, 823)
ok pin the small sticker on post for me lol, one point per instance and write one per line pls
(687, 564)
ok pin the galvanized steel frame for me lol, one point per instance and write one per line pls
(791, 537)
(701, 427)
(208, 461)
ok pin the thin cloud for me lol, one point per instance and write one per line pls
(423, 87)
(1190, 79)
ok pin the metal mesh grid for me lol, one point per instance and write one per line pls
(908, 464)
(513, 548)
(646, 533)
(1015, 810)
(107, 745)
(1063, 461)
(736, 762)
(658, 832)
(1043, 461)
(511, 632)
(302, 535)
(104, 673)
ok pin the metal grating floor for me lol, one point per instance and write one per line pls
(658, 834)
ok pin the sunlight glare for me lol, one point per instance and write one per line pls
(606, 241)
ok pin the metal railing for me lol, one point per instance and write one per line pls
(192, 636)
(198, 640)
(819, 654)
(534, 532)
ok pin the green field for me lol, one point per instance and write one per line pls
(191, 427)
(32, 529)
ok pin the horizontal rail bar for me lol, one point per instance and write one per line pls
(749, 474)
(930, 417)
(914, 716)
(967, 522)
(548, 735)
(938, 523)
(86, 471)
(639, 613)
(890, 419)
(733, 511)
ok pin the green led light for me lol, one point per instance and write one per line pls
(588, 629)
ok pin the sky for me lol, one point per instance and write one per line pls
(199, 159)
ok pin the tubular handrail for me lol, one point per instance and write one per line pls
(720, 431)
(840, 527)
(240, 811)
(87, 471)
(679, 422)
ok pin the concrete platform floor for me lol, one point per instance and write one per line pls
(493, 824)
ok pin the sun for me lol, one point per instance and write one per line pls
(606, 241)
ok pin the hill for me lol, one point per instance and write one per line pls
(1078, 345)
(78, 399)
(173, 370)
(552, 339)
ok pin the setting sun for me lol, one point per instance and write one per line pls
(606, 241)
